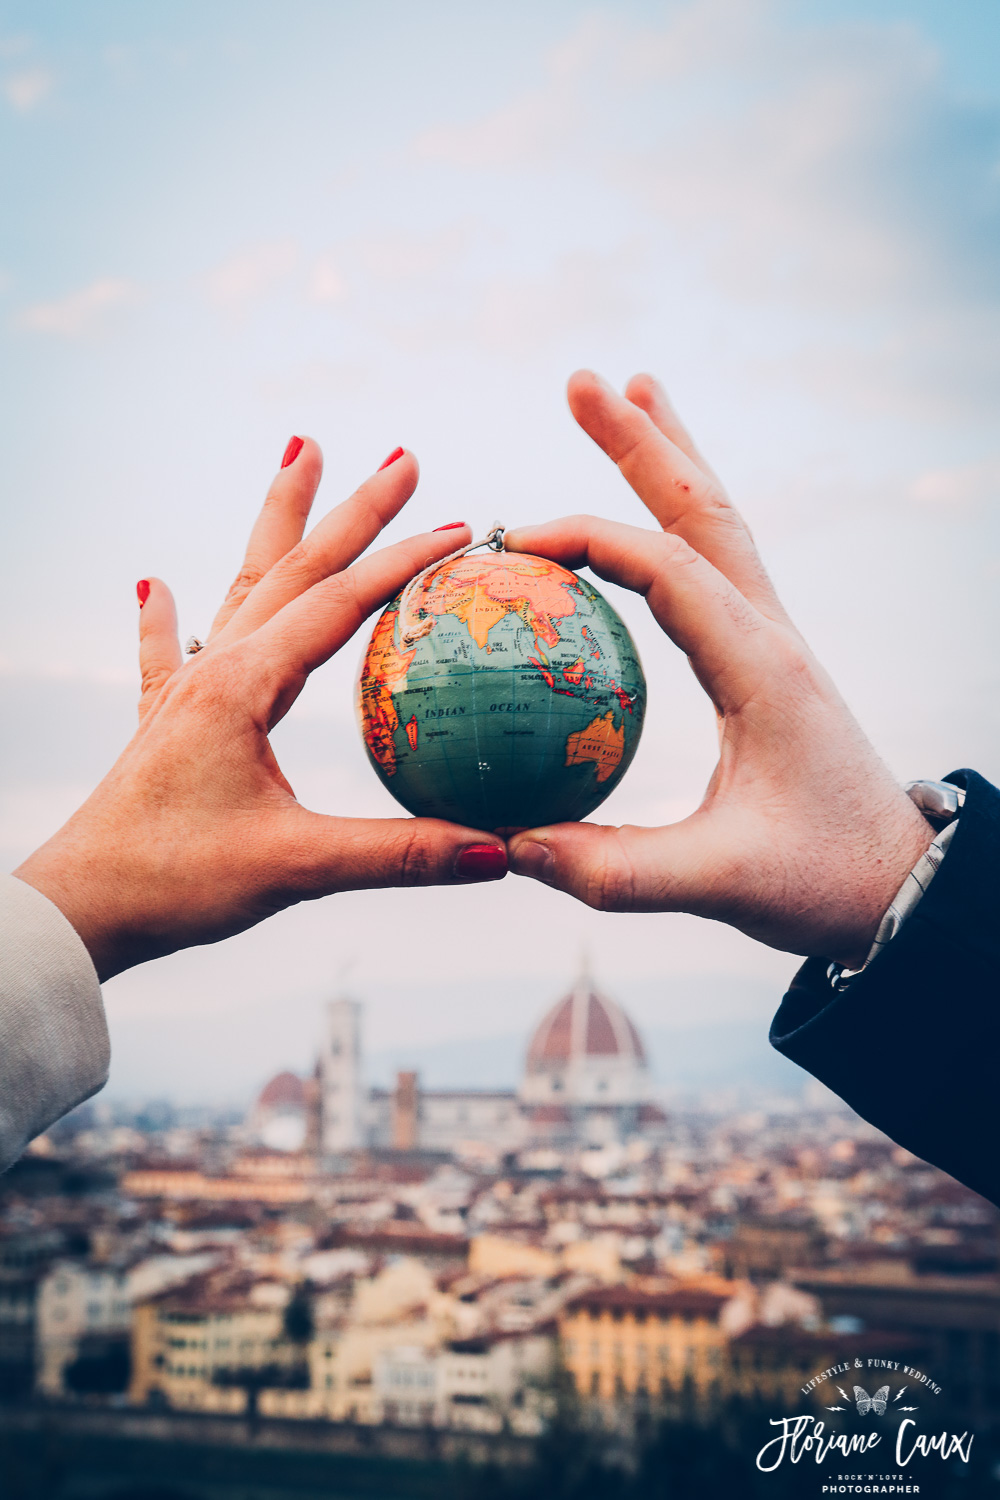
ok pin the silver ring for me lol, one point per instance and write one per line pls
(192, 645)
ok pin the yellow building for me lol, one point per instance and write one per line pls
(623, 1340)
(192, 1346)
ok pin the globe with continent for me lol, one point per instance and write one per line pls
(501, 691)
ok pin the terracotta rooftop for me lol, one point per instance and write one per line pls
(584, 1023)
(693, 1301)
(284, 1091)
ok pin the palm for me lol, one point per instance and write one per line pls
(803, 837)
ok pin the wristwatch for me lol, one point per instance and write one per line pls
(941, 803)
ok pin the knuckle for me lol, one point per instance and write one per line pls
(246, 579)
(343, 594)
(301, 567)
(297, 558)
(676, 552)
(635, 436)
(609, 886)
(211, 680)
(151, 681)
(417, 864)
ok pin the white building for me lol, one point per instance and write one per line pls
(405, 1380)
(480, 1384)
(76, 1302)
(342, 1095)
(81, 1305)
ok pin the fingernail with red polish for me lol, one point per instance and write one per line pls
(451, 526)
(142, 589)
(295, 446)
(482, 862)
(396, 453)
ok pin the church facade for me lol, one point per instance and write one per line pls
(586, 1082)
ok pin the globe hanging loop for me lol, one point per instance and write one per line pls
(412, 625)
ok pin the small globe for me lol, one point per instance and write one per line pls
(510, 696)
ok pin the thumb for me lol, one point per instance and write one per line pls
(619, 869)
(159, 648)
(327, 854)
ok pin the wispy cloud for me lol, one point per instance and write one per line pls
(823, 172)
(531, 128)
(402, 256)
(963, 487)
(581, 291)
(26, 90)
(326, 283)
(81, 312)
(250, 274)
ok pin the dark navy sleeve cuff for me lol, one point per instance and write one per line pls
(913, 1043)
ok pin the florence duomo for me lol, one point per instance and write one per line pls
(586, 1082)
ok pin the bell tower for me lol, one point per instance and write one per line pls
(341, 1091)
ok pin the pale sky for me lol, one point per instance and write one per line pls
(384, 223)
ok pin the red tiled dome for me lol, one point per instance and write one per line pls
(285, 1091)
(584, 1024)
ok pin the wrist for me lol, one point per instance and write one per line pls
(69, 879)
(937, 806)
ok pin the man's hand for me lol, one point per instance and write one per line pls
(195, 834)
(803, 838)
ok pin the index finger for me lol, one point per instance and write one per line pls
(730, 644)
(280, 524)
(686, 499)
(310, 628)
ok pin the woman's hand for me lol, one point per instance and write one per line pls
(195, 834)
(803, 838)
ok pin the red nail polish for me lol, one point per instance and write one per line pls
(482, 862)
(295, 446)
(142, 589)
(451, 526)
(396, 453)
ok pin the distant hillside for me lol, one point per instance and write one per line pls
(685, 1059)
(703, 1031)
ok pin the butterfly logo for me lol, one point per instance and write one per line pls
(876, 1403)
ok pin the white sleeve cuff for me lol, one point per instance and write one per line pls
(54, 1049)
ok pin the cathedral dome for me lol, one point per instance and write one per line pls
(584, 1023)
(586, 1055)
(278, 1120)
(284, 1091)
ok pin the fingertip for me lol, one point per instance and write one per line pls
(644, 390)
(402, 468)
(518, 539)
(579, 377)
(156, 603)
(582, 386)
(303, 456)
(531, 855)
(481, 862)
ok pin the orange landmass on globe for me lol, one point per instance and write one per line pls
(575, 672)
(481, 592)
(625, 698)
(600, 743)
(382, 674)
(412, 730)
